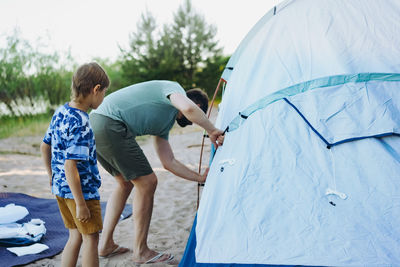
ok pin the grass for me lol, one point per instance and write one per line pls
(33, 125)
(24, 125)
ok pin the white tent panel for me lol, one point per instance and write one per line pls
(271, 206)
(275, 194)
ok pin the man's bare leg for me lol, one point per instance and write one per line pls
(145, 187)
(115, 206)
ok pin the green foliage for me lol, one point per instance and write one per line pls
(26, 73)
(142, 61)
(208, 76)
(24, 125)
(13, 82)
(192, 42)
(53, 84)
(184, 51)
(115, 74)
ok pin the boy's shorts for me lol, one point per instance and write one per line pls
(117, 150)
(68, 213)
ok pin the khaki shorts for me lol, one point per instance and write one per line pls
(117, 150)
(68, 213)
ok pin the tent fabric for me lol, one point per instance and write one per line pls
(305, 41)
(272, 205)
(189, 258)
(311, 75)
(56, 234)
(352, 112)
(338, 80)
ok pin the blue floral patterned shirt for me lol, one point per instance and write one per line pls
(71, 137)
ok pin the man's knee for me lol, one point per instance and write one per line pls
(147, 183)
(123, 184)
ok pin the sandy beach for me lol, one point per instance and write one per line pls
(22, 171)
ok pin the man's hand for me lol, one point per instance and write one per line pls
(217, 135)
(82, 213)
(203, 177)
(220, 139)
(194, 114)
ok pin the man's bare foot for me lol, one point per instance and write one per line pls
(154, 257)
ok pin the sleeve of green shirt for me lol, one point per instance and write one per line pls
(168, 89)
(173, 87)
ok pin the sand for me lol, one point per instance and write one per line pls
(22, 171)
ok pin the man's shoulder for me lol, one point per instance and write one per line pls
(161, 84)
(171, 87)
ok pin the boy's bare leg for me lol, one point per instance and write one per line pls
(69, 256)
(90, 256)
(145, 187)
(115, 206)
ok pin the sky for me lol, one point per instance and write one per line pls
(96, 28)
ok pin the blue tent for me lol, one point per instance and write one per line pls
(309, 173)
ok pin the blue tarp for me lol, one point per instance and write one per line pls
(47, 210)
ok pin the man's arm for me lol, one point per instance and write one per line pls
(74, 183)
(169, 162)
(193, 113)
(46, 156)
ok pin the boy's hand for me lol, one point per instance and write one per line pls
(82, 213)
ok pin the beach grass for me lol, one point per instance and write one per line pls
(34, 125)
(28, 125)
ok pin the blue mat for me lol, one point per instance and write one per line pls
(46, 210)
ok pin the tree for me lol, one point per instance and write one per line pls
(208, 77)
(114, 72)
(141, 61)
(14, 63)
(193, 42)
(28, 74)
(183, 51)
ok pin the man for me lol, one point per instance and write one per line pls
(148, 108)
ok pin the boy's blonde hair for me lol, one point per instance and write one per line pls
(86, 78)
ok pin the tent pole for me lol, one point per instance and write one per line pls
(204, 136)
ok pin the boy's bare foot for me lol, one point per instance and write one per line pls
(112, 251)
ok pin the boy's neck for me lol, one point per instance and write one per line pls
(82, 105)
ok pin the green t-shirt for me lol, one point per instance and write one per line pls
(143, 107)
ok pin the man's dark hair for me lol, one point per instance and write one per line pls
(198, 96)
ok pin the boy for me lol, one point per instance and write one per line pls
(69, 154)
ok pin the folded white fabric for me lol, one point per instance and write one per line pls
(33, 230)
(12, 213)
(26, 250)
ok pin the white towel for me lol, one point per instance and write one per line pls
(12, 213)
(32, 249)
